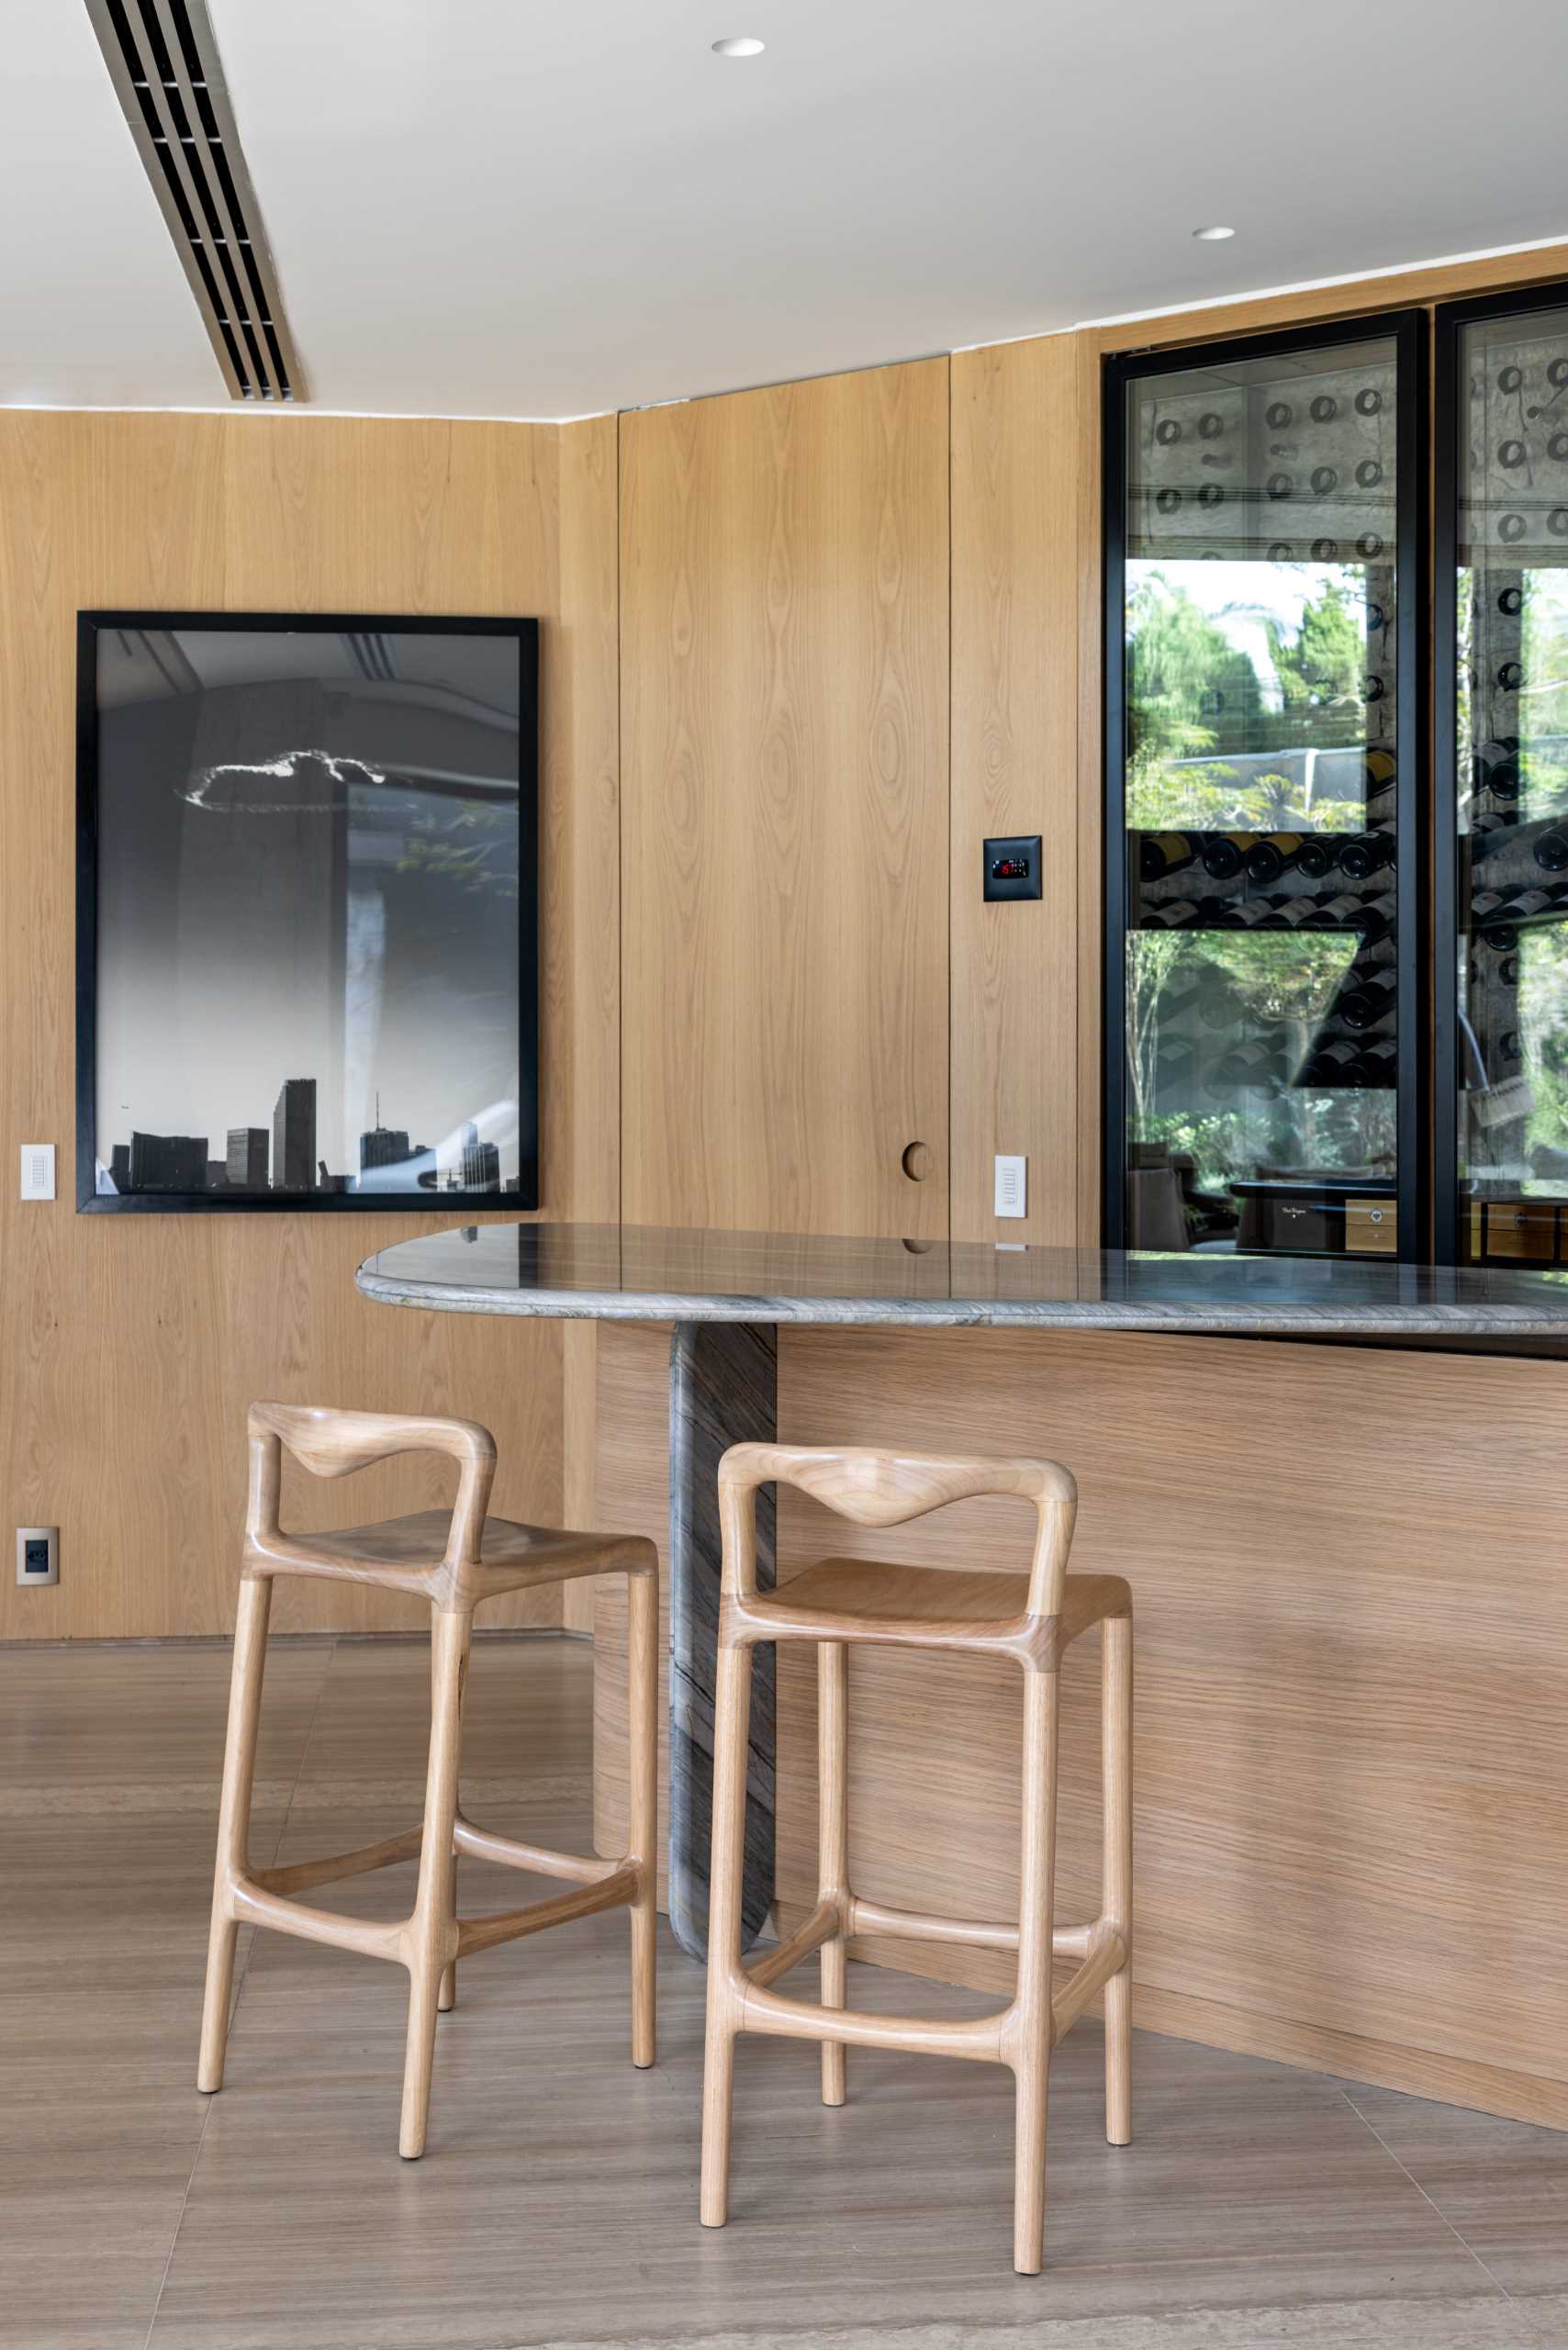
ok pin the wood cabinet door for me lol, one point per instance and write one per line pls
(784, 559)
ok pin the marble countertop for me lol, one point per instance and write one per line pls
(641, 1273)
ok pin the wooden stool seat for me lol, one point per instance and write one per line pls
(1030, 1619)
(454, 1559)
(410, 1553)
(864, 1599)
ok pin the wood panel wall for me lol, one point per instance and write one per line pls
(784, 672)
(130, 1346)
(1019, 432)
(1350, 1770)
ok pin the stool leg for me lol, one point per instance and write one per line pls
(1033, 2025)
(731, 1723)
(432, 1932)
(833, 1837)
(643, 1698)
(446, 1998)
(234, 1819)
(1116, 1897)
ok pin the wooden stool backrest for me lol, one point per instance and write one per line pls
(889, 1488)
(334, 1444)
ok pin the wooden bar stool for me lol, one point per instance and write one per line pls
(454, 1562)
(1030, 1618)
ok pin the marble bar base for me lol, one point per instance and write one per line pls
(723, 1390)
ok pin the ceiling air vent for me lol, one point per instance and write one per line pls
(163, 62)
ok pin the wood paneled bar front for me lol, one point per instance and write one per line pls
(1350, 1769)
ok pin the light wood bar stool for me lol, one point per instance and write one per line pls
(1029, 1617)
(454, 1562)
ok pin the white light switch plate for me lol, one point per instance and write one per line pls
(1011, 1186)
(38, 1170)
(38, 1555)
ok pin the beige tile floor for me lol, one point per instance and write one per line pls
(1258, 2206)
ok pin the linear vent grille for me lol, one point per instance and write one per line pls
(163, 62)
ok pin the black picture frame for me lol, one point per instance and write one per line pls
(90, 624)
(1409, 331)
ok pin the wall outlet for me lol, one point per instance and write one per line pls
(38, 1170)
(1011, 1186)
(38, 1555)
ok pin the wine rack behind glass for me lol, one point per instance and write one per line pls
(1261, 901)
(1511, 612)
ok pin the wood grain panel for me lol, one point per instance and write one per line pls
(1017, 459)
(130, 1346)
(784, 736)
(1350, 1769)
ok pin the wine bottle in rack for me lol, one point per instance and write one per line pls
(1378, 916)
(1248, 913)
(1341, 913)
(1382, 777)
(1267, 858)
(1177, 914)
(1377, 1063)
(1365, 853)
(1261, 1062)
(1313, 858)
(1373, 1000)
(1162, 853)
(1176, 1002)
(1221, 856)
(1551, 851)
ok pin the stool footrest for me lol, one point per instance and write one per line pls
(254, 1905)
(920, 1926)
(977, 2037)
(825, 1920)
(539, 1860)
(622, 1885)
(298, 1876)
(1107, 1956)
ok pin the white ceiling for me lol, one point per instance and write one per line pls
(553, 207)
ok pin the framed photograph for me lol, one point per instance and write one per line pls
(307, 912)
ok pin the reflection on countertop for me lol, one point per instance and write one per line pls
(630, 1272)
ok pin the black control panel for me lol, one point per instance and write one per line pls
(1011, 867)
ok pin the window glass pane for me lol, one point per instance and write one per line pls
(1512, 671)
(1261, 767)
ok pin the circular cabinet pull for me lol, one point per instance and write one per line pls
(918, 1160)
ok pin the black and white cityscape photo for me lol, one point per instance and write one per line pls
(314, 889)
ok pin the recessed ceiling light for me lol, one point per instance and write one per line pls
(742, 45)
(1213, 235)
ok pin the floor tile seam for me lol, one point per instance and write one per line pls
(1456, 2232)
(237, 1995)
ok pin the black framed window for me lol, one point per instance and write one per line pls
(1263, 679)
(1501, 654)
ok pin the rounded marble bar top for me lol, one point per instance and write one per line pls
(643, 1273)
